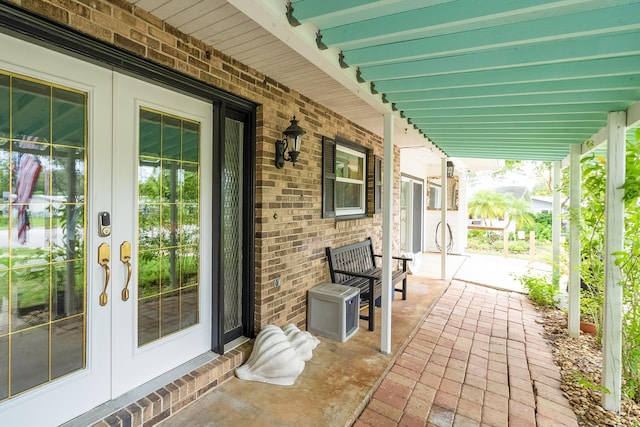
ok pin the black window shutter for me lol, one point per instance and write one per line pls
(377, 184)
(328, 177)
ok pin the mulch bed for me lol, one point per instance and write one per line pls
(580, 362)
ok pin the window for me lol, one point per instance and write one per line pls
(435, 201)
(351, 181)
(346, 177)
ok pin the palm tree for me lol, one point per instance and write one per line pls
(519, 211)
(488, 205)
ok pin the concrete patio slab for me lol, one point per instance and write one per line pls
(463, 355)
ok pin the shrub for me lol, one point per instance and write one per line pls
(540, 289)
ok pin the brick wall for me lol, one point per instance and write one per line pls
(291, 246)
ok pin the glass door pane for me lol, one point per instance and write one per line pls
(43, 141)
(168, 225)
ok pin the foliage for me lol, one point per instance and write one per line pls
(542, 226)
(540, 289)
(592, 266)
(515, 247)
(489, 205)
(586, 382)
(519, 211)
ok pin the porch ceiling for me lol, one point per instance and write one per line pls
(504, 79)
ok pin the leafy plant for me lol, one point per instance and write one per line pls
(540, 289)
(592, 266)
(586, 382)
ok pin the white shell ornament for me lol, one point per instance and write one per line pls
(278, 355)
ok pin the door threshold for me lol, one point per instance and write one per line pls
(235, 343)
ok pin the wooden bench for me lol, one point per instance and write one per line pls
(355, 265)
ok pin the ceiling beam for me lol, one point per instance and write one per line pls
(564, 51)
(601, 67)
(587, 23)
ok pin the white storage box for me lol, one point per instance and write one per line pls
(333, 311)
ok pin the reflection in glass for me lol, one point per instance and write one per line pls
(66, 346)
(189, 307)
(170, 313)
(5, 108)
(148, 319)
(348, 195)
(189, 267)
(190, 231)
(30, 109)
(4, 367)
(68, 118)
(4, 176)
(4, 301)
(172, 182)
(149, 180)
(349, 165)
(191, 185)
(171, 137)
(69, 292)
(168, 224)
(149, 274)
(67, 173)
(29, 358)
(32, 290)
(191, 143)
(42, 232)
(150, 133)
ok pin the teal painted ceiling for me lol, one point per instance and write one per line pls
(500, 79)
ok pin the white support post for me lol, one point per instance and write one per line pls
(443, 221)
(387, 235)
(556, 221)
(575, 185)
(614, 242)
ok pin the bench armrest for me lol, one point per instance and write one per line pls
(402, 258)
(353, 273)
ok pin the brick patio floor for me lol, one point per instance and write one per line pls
(479, 359)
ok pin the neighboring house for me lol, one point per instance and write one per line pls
(542, 204)
(518, 192)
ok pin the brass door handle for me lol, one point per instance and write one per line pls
(104, 255)
(125, 257)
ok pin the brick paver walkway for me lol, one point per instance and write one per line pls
(479, 359)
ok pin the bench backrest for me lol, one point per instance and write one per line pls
(357, 257)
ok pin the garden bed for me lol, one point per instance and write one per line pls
(580, 362)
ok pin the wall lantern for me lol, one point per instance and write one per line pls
(450, 169)
(293, 138)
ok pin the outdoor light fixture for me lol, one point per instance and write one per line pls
(450, 169)
(293, 138)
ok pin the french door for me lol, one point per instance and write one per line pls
(104, 276)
